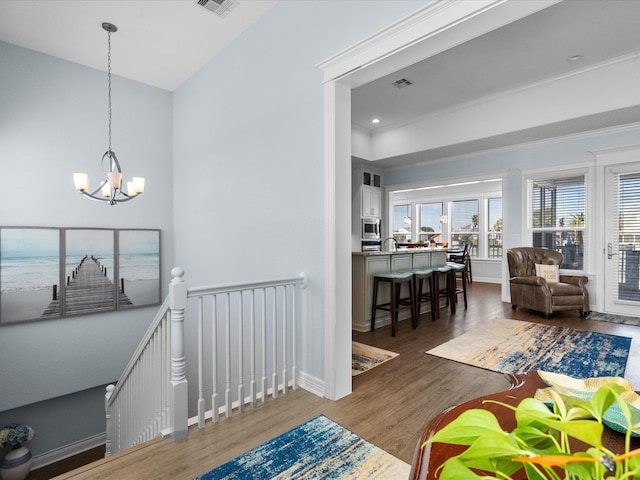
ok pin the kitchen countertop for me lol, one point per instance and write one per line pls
(402, 251)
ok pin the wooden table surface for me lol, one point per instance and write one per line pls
(428, 458)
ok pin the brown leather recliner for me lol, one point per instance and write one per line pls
(535, 293)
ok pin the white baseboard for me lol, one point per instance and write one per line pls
(312, 384)
(67, 451)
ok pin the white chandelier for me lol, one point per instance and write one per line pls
(111, 187)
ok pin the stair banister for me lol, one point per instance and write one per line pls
(179, 387)
(151, 397)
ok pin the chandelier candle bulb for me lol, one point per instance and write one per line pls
(115, 180)
(138, 183)
(81, 181)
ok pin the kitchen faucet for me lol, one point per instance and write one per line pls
(395, 248)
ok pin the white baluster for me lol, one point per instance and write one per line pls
(108, 409)
(201, 409)
(227, 354)
(264, 345)
(215, 408)
(284, 340)
(166, 371)
(252, 319)
(240, 354)
(274, 351)
(179, 394)
(294, 342)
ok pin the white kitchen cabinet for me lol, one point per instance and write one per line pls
(371, 201)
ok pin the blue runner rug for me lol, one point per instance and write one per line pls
(512, 346)
(319, 448)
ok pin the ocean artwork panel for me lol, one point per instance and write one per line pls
(90, 284)
(139, 266)
(48, 273)
(29, 273)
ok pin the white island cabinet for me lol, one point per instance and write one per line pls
(364, 267)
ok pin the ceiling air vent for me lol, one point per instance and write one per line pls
(222, 8)
(401, 83)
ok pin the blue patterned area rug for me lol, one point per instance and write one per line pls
(319, 449)
(511, 346)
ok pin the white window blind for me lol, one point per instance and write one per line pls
(626, 209)
(557, 217)
(464, 223)
(430, 227)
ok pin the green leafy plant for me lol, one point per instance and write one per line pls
(540, 443)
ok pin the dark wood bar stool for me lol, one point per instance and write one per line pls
(395, 281)
(420, 277)
(459, 269)
(448, 290)
(464, 258)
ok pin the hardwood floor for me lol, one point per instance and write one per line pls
(389, 406)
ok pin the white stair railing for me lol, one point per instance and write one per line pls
(246, 342)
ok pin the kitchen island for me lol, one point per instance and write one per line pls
(365, 265)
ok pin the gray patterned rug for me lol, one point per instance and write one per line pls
(608, 317)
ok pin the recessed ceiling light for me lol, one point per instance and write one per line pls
(375, 120)
(574, 58)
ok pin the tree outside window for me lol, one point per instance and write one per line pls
(494, 228)
(464, 224)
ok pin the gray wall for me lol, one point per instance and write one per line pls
(53, 121)
(249, 151)
(235, 156)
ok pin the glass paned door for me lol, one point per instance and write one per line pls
(622, 241)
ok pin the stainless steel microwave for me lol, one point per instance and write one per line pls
(371, 229)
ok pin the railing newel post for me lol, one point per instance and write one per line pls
(109, 426)
(179, 390)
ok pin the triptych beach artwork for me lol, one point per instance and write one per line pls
(50, 273)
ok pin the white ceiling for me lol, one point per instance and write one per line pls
(159, 42)
(164, 42)
(534, 48)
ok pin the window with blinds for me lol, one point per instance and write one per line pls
(402, 223)
(430, 227)
(464, 223)
(494, 227)
(627, 211)
(557, 217)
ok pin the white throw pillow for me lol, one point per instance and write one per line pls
(548, 272)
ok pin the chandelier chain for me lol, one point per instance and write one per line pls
(109, 82)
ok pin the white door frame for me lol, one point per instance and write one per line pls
(435, 28)
(608, 163)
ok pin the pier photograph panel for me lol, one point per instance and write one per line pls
(89, 271)
(139, 267)
(29, 273)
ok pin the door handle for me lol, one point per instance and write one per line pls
(610, 252)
